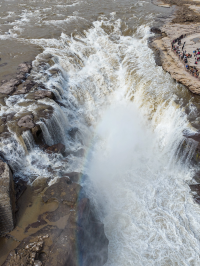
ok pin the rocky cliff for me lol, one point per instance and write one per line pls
(7, 199)
(68, 234)
(55, 224)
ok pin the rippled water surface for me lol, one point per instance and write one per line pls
(129, 115)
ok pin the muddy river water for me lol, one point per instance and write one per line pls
(129, 114)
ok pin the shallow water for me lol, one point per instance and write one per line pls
(130, 118)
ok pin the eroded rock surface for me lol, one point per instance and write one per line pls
(57, 148)
(170, 61)
(9, 87)
(25, 87)
(26, 121)
(23, 70)
(41, 94)
(7, 199)
(64, 234)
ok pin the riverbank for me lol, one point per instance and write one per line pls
(185, 22)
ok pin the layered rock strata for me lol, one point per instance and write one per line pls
(68, 234)
(7, 199)
(169, 60)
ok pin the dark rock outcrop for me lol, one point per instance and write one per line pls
(156, 30)
(25, 87)
(7, 199)
(41, 94)
(26, 121)
(57, 148)
(23, 69)
(37, 135)
(192, 135)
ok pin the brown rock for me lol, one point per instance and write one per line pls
(156, 30)
(63, 192)
(26, 87)
(9, 87)
(20, 187)
(57, 148)
(75, 232)
(7, 199)
(26, 121)
(25, 68)
(43, 93)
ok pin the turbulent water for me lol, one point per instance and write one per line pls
(129, 124)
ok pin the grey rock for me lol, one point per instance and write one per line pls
(26, 121)
(57, 148)
(9, 87)
(25, 67)
(7, 199)
(43, 93)
(26, 87)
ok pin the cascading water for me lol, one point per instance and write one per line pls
(123, 107)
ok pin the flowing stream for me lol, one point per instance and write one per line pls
(129, 121)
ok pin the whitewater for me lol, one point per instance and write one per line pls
(130, 125)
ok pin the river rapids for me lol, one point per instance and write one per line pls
(129, 119)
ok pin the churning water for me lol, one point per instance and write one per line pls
(128, 125)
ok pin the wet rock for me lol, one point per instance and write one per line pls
(75, 232)
(7, 199)
(25, 88)
(26, 255)
(9, 87)
(41, 94)
(20, 187)
(7, 117)
(37, 135)
(39, 184)
(156, 30)
(197, 177)
(54, 71)
(63, 192)
(57, 148)
(26, 121)
(195, 187)
(23, 69)
(43, 111)
(157, 53)
(192, 135)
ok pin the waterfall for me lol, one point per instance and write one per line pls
(54, 128)
(28, 140)
(131, 128)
